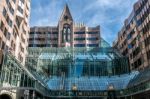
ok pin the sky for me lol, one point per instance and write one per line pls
(109, 14)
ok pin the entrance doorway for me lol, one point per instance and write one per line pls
(5, 96)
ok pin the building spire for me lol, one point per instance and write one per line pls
(66, 13)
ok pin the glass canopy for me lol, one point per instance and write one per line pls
(69, 72)
(62, 68)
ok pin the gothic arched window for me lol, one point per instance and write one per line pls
(66, 34)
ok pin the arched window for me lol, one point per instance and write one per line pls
(66, 33)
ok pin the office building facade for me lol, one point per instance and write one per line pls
(66, 34)
(14, 27)
(133, 40)
(14, 34)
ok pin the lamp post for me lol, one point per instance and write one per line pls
(111, 92)
(74, 89)
(26, 93)
(33, 94)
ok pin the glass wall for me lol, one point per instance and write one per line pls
(77, 62)
(69, 72)
(13, 75)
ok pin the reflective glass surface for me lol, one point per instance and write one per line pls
(80, 68)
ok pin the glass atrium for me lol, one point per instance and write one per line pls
(73, 72)
(80, 69)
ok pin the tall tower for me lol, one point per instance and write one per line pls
(14, 27)
(65, 27)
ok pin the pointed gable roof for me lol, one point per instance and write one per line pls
(66, 12)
